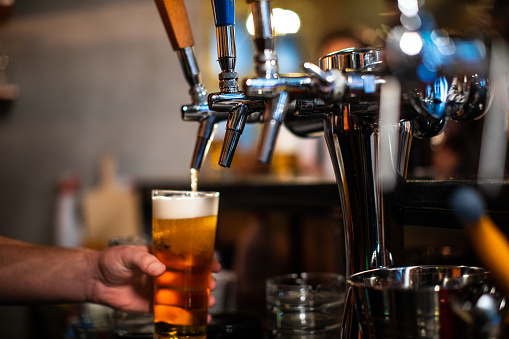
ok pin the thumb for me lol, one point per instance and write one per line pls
(144, 261)
(156, 268)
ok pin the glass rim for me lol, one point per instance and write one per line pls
(307, 278)
(363, 279)
(183, 193)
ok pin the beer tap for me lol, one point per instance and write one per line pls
(268, 91)
(224, 18)
(230, 100)
(281, 91)
(266, 68)
(176, 22)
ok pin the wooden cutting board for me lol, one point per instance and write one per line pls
(110, 209)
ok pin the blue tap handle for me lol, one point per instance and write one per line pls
(224, 12)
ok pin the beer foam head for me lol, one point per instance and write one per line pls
(184, 206)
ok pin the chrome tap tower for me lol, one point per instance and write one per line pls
(369, 109)
(369, 103)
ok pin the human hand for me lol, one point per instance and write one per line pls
(124, 278)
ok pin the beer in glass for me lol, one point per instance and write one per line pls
(183, 230)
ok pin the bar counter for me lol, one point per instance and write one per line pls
(423, 202)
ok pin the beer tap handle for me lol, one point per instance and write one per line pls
(224, 18)
(176, 23)
(317, 71)
(224, 12)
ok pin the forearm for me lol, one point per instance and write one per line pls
(38, 274)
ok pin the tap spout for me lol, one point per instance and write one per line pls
(208, 122)
(234, 127)
(276, 112)
(239, 110)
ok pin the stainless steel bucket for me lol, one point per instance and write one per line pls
(424, 302)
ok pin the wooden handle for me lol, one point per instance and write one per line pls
(176, 22)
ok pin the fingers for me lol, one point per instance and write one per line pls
(139, 257)
(213, 283)
(216, 266)
(212, 300)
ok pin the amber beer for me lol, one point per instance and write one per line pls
(183, 230)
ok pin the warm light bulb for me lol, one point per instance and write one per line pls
(283, 20)
(250, 24)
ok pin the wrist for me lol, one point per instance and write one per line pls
(92, 276)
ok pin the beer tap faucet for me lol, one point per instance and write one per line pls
(280, 91)
(230, 100)
(267, 92)
(176, 22)
(266, 68)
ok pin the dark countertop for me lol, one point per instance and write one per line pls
(424, 202)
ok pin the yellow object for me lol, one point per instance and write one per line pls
(492, 248)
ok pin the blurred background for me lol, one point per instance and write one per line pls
(100, 91)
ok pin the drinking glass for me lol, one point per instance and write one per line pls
(183, 232)
(305, 305)
(128, 325)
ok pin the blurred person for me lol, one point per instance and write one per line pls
(357, 36)
(119, 276)
(338, 40)
(455, 152)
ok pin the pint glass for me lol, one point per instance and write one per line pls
(183, 230)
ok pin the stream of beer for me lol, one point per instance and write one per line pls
(194, 180)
